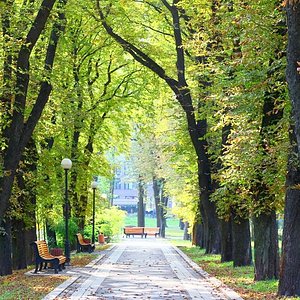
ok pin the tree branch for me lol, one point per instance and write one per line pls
(137, 54)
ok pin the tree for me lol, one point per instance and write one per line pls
(19, 129)
(289, 284)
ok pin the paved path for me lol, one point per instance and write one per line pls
(141, 269)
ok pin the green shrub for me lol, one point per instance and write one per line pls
(60, 230)
(110, 221)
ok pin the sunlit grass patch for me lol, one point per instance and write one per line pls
(241, 279)
(20, 286)
(100, 247)
(82, 259)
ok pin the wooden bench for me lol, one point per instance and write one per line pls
(42, 255)
(128, 231)
(83, 246)
(152, 231)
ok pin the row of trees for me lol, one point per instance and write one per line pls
(227, 73)
(49, 49)
(81, 82)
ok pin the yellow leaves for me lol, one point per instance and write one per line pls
(20, 286)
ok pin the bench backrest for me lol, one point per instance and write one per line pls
(151, 230)
(139, 230)
(41, 249)
(81, 239)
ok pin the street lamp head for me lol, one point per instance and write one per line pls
(66, 164)
(94, 184)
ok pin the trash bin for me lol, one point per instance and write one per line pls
(56, 251)
(101, 239)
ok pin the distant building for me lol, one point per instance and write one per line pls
(125, 190)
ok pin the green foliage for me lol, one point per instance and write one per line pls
(60, 230)
(109, 221)
(101, 98)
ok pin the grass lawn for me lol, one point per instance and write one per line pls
(239, 279)
(172, 229)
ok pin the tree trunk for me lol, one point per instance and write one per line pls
(266, 259)
(30, 236)
(198, 238)
(163, 213)
(156, 192)
(19, 245)
(186, 235)
(289, 283)
(226, 241)
(241, 241)
(141, 211)
(26, 191)
(6, 249)
(181, 224)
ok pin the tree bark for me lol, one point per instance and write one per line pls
(266, 246)
(30, 236)
(26, 175)
(6, 248)
(19, 245)
(198, 238)
(186, 235)
(289, 283)
(163, 213)
(156, 192)
(181, 224)
(141, 210)
(226, 241)
(241, 240)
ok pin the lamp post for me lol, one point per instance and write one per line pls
(94, 186)
(66, 164)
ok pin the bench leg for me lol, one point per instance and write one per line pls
(36, 268)
(41, 266)
(56, 267)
